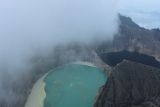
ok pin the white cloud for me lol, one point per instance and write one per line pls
(30, 25)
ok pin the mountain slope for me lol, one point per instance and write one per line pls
(131, 85)
(132, 37)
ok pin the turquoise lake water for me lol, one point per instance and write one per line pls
(73, 85)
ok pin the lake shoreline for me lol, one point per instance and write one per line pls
(39, 95)
(37, 98)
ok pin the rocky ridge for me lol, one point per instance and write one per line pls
(131, 85)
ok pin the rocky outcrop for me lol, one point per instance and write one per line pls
(132, 37)
(131, 85)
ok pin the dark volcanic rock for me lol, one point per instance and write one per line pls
(113, 58)
(127, 21)
(131, 85)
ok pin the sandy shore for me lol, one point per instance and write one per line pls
(85, 63)
(37, 96)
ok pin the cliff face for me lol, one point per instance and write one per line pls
(131, 85)
(132, 37)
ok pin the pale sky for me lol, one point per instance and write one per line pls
(144, 12)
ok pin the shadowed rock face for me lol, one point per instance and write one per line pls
(131, 85)
(113, 58)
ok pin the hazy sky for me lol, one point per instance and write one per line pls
(145, 12)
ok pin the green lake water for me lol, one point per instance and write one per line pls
(73, 85)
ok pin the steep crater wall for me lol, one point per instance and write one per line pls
(113, 58)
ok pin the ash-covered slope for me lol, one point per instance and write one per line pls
(131, 85)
